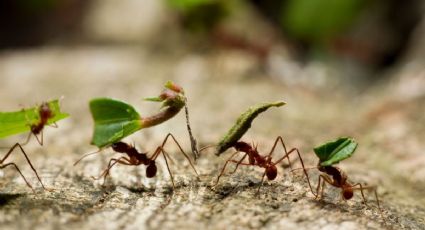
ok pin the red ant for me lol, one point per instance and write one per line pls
(136, 158)
(339, 179)
(255, 159)
(45, 113)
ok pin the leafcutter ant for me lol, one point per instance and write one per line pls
(335, 177)
(137, 158)
(45, 113)
(266, 162)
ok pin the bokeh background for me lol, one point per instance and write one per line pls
(352, 67)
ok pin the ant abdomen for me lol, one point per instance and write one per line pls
(271, 172)
(151, 170)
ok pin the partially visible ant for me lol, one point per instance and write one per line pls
(136, 158)
(45, 113)
(255, 159)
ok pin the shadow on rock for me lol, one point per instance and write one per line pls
(7, 198)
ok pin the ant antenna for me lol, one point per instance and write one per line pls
(206, 147)
(86, 155)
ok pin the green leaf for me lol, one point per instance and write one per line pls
(113, 121)
(12, 123)
(335, 151)
(243, 123)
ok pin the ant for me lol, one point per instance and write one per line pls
(340, 180)
(334, 176)
(136, 158)
(255, 159)
(45, 113)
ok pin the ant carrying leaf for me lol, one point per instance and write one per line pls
(332, 153)
(33, 120)
(231, 139)
(136, 158)
(115, 120)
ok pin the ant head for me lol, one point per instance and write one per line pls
(45, 111)
(120, 147)
(151, 170)
(347, 193)
(271, 172)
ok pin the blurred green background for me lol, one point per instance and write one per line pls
(372, 34)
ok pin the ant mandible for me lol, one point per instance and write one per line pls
(255, 159)
(136, 158)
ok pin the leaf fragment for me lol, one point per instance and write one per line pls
(12, 123)
(243, 123)
(335, 151)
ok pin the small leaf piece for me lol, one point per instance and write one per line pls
(335, 151)
(12, 123)
(113, 121)
(243, 123)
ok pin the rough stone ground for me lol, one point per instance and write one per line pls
(386, 118)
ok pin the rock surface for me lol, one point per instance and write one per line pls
(219, 85)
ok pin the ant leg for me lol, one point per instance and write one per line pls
(322, 180)
(261, 183)
(19, 171)
(111, 164)
(301, 160)
(279, 138)
(323, 188)
(361, 188)
(181, 150)
(40, 141)
(165, 155)
(224, 167)
(26, 157)
(238, 163)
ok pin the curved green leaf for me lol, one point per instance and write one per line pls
(335, 151)
(12, 123)
(113, 121)
(243, 123)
